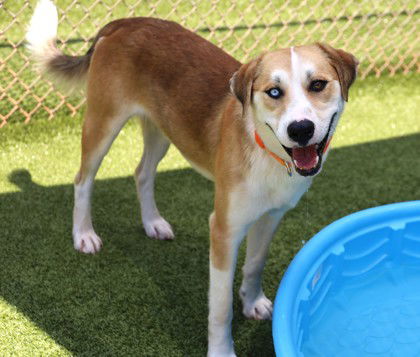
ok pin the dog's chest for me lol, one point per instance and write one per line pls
(272, 186)
(267, 187)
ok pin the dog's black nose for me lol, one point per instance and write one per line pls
(301, 131)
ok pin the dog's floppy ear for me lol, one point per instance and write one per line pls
(242, 81)
(345, 64)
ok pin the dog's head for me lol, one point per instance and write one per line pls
(295, 97)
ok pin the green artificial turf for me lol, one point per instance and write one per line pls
(141, 297)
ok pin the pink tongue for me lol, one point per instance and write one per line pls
(305, 158)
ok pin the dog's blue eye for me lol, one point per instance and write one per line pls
(275, 93)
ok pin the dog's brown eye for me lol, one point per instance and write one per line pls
(274, 93)
(317, 86)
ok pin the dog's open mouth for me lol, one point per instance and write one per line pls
(307, 160)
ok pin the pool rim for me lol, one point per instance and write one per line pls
(313, 250)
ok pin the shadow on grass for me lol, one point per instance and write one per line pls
(141, 297)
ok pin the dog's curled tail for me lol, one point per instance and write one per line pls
(69, 71)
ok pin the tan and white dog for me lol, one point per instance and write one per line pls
(259, 131)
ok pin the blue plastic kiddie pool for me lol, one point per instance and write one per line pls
(354, 288)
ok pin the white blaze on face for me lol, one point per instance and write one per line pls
(300, 107)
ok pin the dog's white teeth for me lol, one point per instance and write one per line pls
(316, 163)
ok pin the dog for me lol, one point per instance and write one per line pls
(259, 130)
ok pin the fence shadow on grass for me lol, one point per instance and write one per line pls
(141, 297)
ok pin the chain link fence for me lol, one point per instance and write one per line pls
(382, 34)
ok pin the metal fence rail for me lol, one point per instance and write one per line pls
(382, 34)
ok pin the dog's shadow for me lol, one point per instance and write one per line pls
(149, 298)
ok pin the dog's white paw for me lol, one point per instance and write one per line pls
(158, 228)
(259, 309)
(87, 242)
(217, 354)
(221, 350)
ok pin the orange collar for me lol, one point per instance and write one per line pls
(288, 165)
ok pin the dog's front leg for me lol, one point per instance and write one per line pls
(255, 304)
(224, 243)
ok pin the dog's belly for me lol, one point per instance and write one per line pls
(201, 170)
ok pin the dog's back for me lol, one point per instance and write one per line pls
(179, 78)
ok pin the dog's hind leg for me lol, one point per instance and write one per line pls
(155, 147)
(100, 128)
(255, 303)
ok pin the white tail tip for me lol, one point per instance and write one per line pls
(43, 27)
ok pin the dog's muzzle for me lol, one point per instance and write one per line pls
(307, 160)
